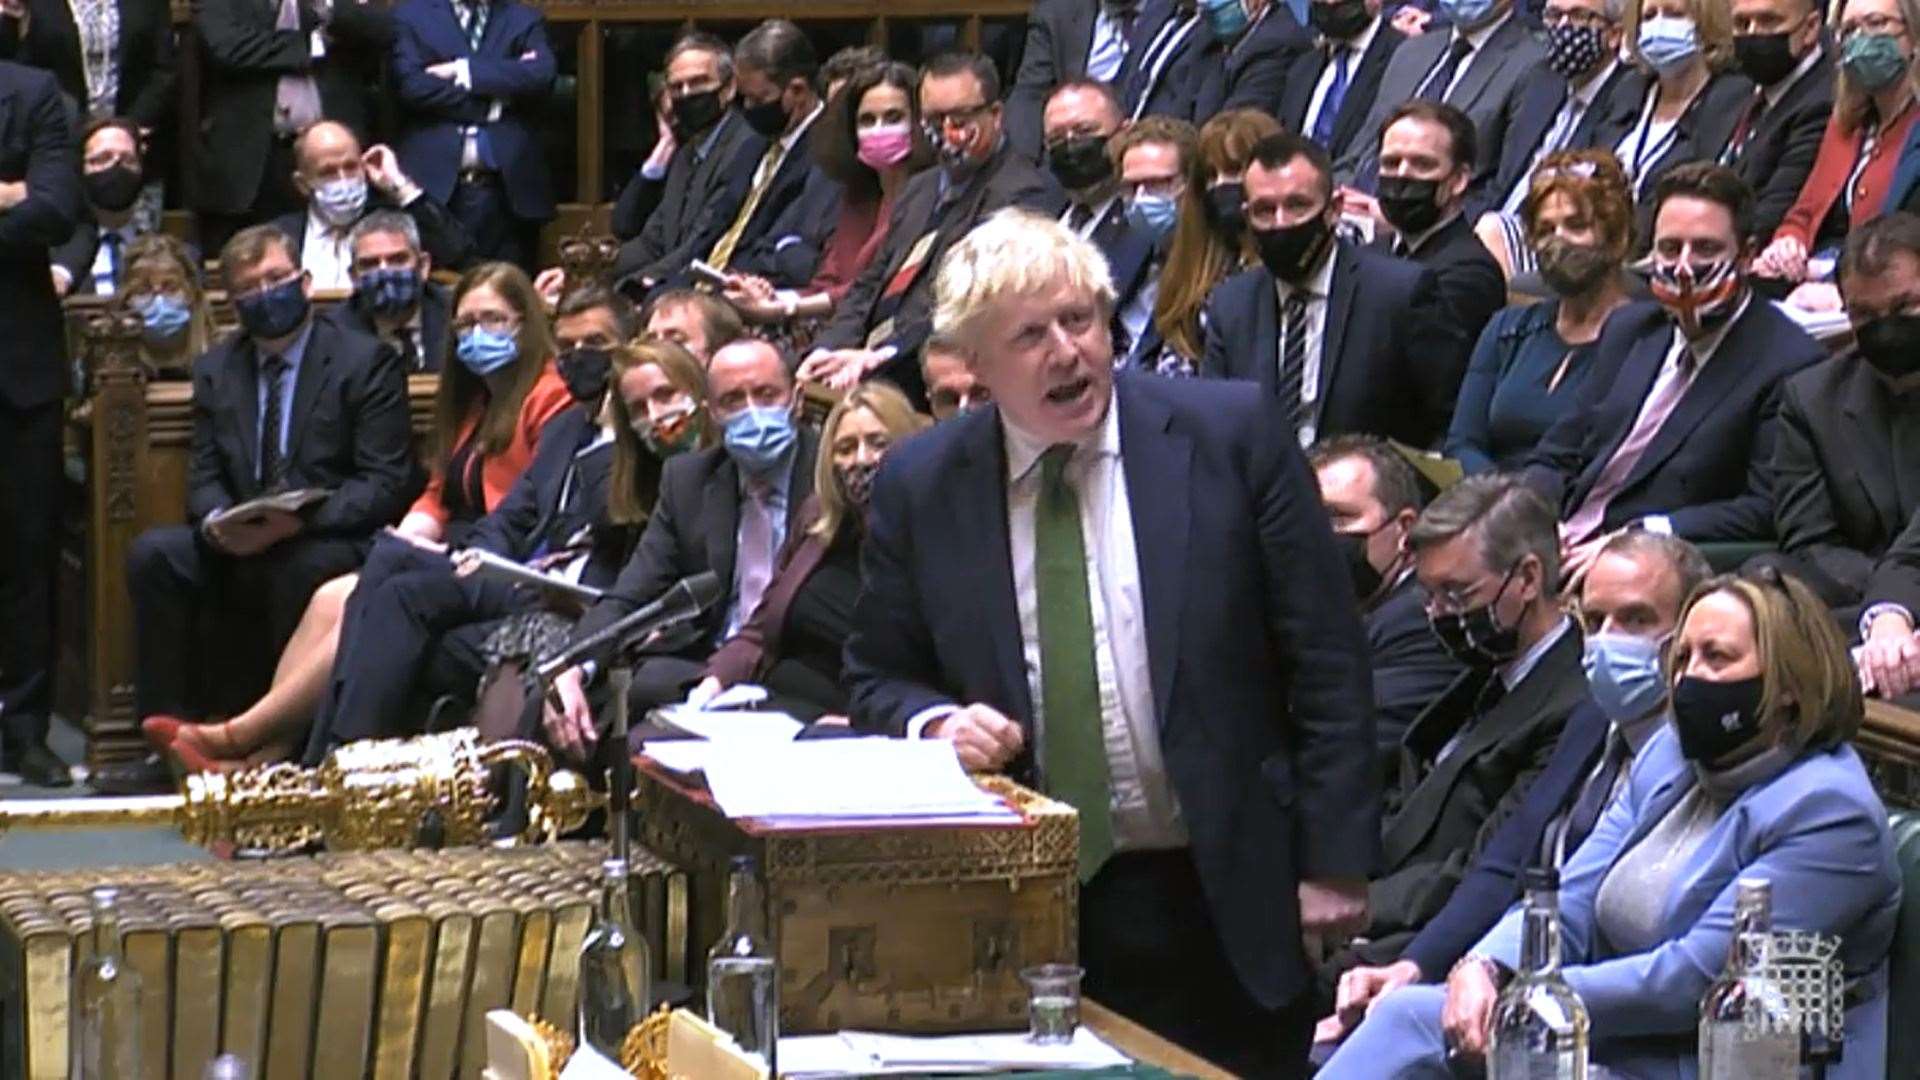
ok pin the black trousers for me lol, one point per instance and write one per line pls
(1151, 953)
(30, 487)
(210, 627)
(479, 203)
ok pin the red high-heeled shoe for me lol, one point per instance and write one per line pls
(160, 730)
(192, 747)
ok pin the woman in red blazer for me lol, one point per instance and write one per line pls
(1874, 112)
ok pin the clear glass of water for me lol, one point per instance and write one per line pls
(1053, 1003)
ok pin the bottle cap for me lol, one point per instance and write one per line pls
(227, 1067)
(105, 896)
(613, 867)
(745, 863)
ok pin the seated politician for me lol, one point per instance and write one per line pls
(1629, 606)
(696, 321)
(394, 297)
(160, 282)
(1751, 778)
(291, 403)
(1531, 361)
(1373, 497)
(952, 387)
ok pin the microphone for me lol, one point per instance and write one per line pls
(686, 599)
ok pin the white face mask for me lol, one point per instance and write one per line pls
(340, 202)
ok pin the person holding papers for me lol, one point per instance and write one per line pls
(1123, 589)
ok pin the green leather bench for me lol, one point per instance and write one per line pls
(1903, 1006)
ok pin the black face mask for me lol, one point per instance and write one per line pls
(1891, 344)
(586, 371)
(1290, 252)
(1713, 719)
(1227, 205)
(1475, 637)
(1081, 162)
(112, 189)
(1410, 204)
(1764, 58)
(695, 113)
(1353, 548)
(768, 119)
(1572, 269)
(1340, 19)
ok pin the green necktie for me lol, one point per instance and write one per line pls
(1075, 746)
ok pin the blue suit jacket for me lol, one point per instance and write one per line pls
(1817, 832)
(514, 66)
(1904, 193)
(1535, 105)
(1256, 658)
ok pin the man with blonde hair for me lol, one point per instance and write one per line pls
(1123, 589)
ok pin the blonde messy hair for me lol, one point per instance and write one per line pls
(1015, 252)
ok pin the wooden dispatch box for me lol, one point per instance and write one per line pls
(905, 928)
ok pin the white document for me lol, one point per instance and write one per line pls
(710, 723)
(863, 1053)
(841, 778)
(590, 1064)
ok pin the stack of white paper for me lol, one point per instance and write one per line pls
(841, 779)
(863, 1053)
(712, 723)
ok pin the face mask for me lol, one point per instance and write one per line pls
(164, 315)
(112, 189)
(758, 436)
(1291, 252)
(1891, 344)
(1227, 205)
(340, 202)
(1668, 42)
(1476, 638)
(485, 352)
(1623, 675)
(1153, 215)
(274, 312)
(389, 292)
(885, 146)
(1698, 298)
(1571, 269)
(1468, 14)
(1764, 58)
(768, 119)
(856, 482)
(1340, 19)
(695, 113)
(1873, 60)
(585, 369)
(1226, 18)
(1366, 579)
(1411, 205)
(1080, 163)
(1572, 51)
(669, 435)
(1713, 719)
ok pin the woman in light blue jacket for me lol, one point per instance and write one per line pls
(1752, 778)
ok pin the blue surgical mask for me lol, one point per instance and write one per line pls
(485, 352)
(1468, 14)
(1623, 674)
(274, 312)
(388, 292)
(758, 436)
(1226, 18)
(340, 202)
(1668, 42)
(1153, 215)
(165, 316)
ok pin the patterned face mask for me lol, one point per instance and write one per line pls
(1699, 296)
(1572, 50)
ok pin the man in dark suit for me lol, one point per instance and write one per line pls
(1557, 105)
(88, 261)
(1080, 122)
(1426, 164)
(393, 298)
(38, 202)
(1237, 58)
(1333, 356)
(1630, 604)
(1152, 78)
(342, 184)
(419, 618)
(292, 403)
(1215, 738)
(1679, 433)
(1153, 156)
(1066, 40)
(1779, 45)
(1330, 88)
(271, 70)
(44, 34)
(1372, 496)
(880, 324)
(472, 77)
(726, 509)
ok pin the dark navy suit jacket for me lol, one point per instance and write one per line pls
(1363, 85)
(1256, 657)
(531, 519)
(1536, 103)
(37, 146)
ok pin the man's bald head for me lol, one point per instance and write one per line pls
(747, 372)
(325, 152)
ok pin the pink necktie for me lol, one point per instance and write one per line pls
(756, 549)
(1667, 391)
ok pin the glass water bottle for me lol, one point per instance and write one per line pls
(616, 969)
(106, 993)
(1540, 1024)
(743, 982)
(1746, 1030)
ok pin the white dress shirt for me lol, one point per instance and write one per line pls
(1355, 48)
(1317, 289)
(1565, 122)
(1109, 47)
(326, 254)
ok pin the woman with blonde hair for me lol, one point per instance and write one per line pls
(161, 284)
(658, 408)
(1210, 241)
(1684, 96)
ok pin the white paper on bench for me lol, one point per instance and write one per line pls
(842, 778)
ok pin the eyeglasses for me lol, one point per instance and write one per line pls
(1453, 601)
(1592, 20)
(963, 117)
(493, 322)
(1167, 188)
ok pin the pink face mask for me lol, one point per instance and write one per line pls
(886, 145)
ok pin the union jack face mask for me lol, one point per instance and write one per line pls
(1698, 296)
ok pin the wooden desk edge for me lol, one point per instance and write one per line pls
(1144, 1046)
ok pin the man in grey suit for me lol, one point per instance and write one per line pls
(1475, 67)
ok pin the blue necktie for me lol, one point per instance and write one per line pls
(1330, 106)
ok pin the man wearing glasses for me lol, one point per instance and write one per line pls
(879, 327)
(290, 404)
